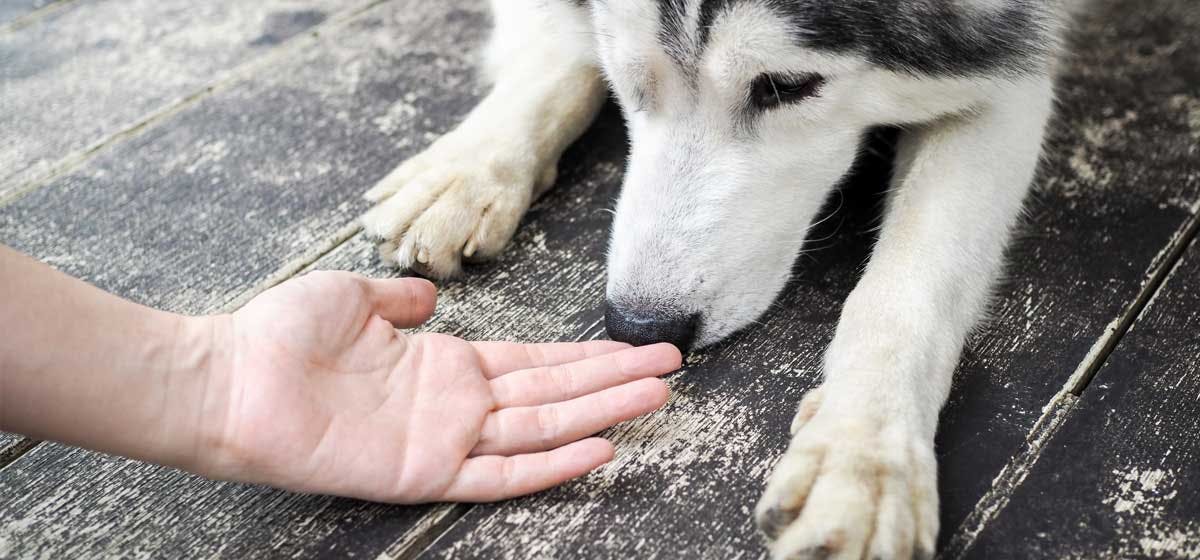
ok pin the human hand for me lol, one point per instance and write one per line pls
(313, 389)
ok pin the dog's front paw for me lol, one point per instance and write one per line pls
(851, 487)
(460, 199)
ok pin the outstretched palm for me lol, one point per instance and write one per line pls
(325, 395)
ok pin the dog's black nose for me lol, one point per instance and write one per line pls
(639, 327)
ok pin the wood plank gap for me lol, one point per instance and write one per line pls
(15, 452)
(1011, 477)
(38, 14)
(1063, 404)
(429, 529)
(1160, 270)
(73, 161)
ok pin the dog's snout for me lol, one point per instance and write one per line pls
(640, 327)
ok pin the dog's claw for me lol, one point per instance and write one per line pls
(460, 199)
(815, 553)
(775, 519)
(851, 487)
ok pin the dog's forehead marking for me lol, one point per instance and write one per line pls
(932, 37)
(677, 33)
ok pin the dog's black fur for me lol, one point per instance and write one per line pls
(930, 37)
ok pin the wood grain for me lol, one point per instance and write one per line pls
(13, 446)
(547, 286)
(86, 71)
(192, 212)
(1121, 479)
(1122, 158)
(209, 204)
(546, 290)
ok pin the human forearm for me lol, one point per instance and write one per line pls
(312, 387)
(84, 367)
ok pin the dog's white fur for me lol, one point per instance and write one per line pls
(712, 223)
(464, 196)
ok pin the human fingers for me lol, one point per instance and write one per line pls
(563, 382)
(500, 358)
(491, 478)
(537, 428)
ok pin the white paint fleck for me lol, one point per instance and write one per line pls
(1141, 498)
(398, 113)
(1137, 489)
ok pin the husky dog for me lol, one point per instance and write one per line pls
(743, 116)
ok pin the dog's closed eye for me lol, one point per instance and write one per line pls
(769, 91)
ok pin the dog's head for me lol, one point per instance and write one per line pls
(743, 116)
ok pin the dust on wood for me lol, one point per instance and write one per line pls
(1122, 477)
(544, 289)
(203, 206)
(76, 78)
(686, 478)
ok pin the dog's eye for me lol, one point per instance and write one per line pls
(772, 90)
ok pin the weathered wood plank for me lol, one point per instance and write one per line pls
(12, 446)
(1121, 478)
(80, 75)
(206, 205)
(196, 210)
(695, 495)
(1119, 161)
(544, 289)
(37, 477)
(1121, 182)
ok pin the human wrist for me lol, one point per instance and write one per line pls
(196, 389)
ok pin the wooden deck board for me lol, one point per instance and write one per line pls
(12, 446)
(546, 291)
(1121, 181)
(277, 160)
(1121, 478)
(192, 212)
(90, 70)
(205, 206)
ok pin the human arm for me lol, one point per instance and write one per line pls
(311, 388)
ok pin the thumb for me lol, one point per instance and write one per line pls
(403, 302)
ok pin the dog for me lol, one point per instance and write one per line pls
(743, 116)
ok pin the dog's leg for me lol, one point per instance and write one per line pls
(463, 197)
(859, 479)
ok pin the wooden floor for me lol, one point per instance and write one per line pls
(190, 154)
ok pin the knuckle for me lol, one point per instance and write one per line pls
(547, 425)
(563, 381)
(508, 476)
